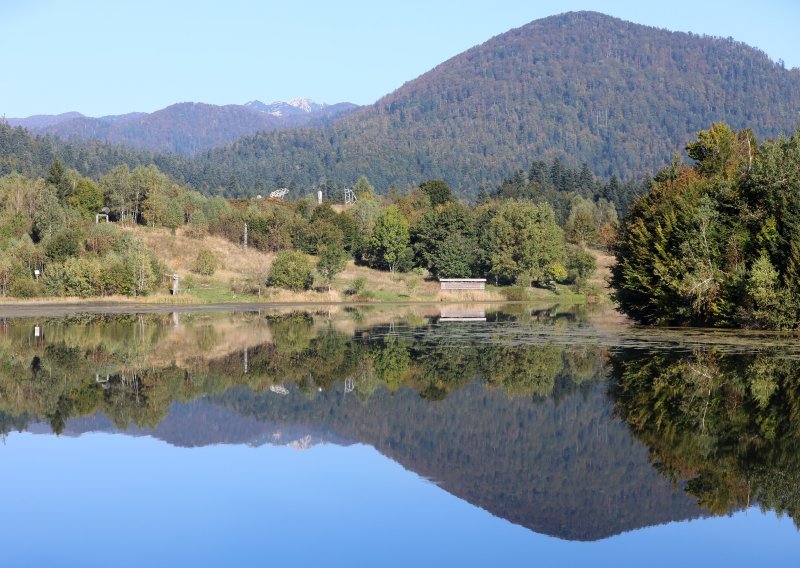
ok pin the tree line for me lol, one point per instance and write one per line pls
(33, 155)
(52, 245)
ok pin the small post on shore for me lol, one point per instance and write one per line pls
(175, 284)
(245, 237)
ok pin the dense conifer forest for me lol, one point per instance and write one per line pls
(716, 244)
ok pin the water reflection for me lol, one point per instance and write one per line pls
(551, 419)
(729, 424)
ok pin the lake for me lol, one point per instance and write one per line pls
(403, 435)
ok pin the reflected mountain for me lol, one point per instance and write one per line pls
(203, 423)
(527, 415)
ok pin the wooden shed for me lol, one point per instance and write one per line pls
(462, 283)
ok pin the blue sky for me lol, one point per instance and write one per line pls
(101, 57)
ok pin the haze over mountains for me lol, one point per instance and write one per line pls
(582, 87)
(185, 128)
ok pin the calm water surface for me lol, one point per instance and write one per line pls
(461, 436)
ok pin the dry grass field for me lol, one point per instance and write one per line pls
(241, 277)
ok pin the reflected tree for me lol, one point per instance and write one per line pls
(727, 424)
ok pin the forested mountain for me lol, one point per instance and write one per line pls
(186, 128)
(582, 86)
(33, 155)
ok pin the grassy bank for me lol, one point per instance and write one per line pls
(241, 276)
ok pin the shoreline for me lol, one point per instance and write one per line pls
(57, 309)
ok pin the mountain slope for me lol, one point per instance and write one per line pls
(581, 86)
(184, 128)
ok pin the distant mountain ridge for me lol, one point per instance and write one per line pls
(185, 128)
(39, 121)
(580, 86)
(291, 108)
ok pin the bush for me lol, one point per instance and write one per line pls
(516, 294)
(580, 264)
(25, 287)
(413, 281)
(270, 228)
(117, 276)
(357, 286)
(291, 270)
(206, 263)
(75, 277)
(103, 238)
(318, 234)
(332, 260)
(134, 273)
(249, 286)
(63, 245)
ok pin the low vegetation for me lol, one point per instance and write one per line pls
(227, 249)
(206, 263)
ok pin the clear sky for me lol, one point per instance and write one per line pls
(110, 57)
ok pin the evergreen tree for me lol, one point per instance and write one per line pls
(715, 244)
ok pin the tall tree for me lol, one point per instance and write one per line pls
(390, 239)
(716, 244)
(523, 242)
(332, 260)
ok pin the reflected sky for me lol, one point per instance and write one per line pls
(101, 499)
